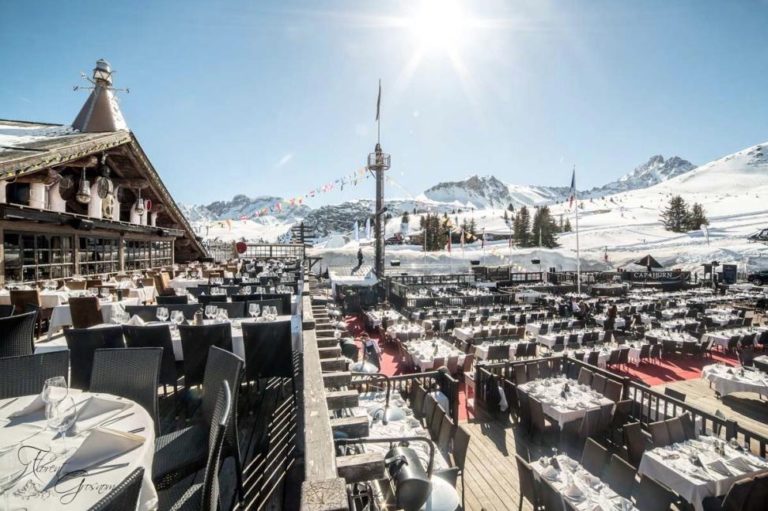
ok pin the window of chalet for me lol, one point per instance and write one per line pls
(137, 255)
(33, 257)
(162, 253)
(99, 255)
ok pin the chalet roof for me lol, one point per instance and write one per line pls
(30, 147)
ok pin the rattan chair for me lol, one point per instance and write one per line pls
(155, 336)
(182, 452)
(460, 449)
(24, 375)
(6, 310)
(172, 299)
(17, 335)
(85, 311)
(268, 350)
(187, 495)
(82, 343)
(620, 476)
(132, 373)
(124, 496)
(195, 342)
(28, 301)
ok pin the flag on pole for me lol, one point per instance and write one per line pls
(573, 189)
(378, 102)
(482, 240)
(449, 241)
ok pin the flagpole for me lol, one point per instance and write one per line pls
(578, 252)
(378, 116)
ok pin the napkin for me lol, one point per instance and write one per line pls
(135, 321)
(740, 464)
(573, 492)
(720, 467)
(34, 405)
(102, 445)
(96, 406)
(550, 473)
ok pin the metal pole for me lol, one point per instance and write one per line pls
(578, 252)
(378, 230)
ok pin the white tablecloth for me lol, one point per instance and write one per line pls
(549, 339)
(678, 473)
(423, 353)
(481, 350)
(563, 410)
(48, 299)
(144, 294)
(183, 283)
(79, 492)
(727, 380)
(61, 315)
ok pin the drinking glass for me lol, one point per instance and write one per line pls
(274, 312)
(11, 470)
(62, 417)
(210, 311)
(54, 390)
(253, 310)
(93, 291)
(222, 315)
(177, 318)
(162, 314)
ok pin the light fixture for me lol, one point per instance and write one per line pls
(139, 204)
(83, 195)
(102, 72)
(105, 185)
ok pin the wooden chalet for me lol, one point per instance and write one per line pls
(85, 199)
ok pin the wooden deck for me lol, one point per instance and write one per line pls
(746, 408)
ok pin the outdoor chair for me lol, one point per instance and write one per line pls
(27, 301)
(124, 496)
(585, 376)
(550, 497)
(155, 336)
(635, 442)
(83, 343)
(132, 373)
(651, 496)
(187, 495)
(533, 371)
(172, 299)
(659, 433)
(85, 311)
(594, 458)
(540, 425)
(460, 449)
(25, 375)
(6, 310)
(444, 435)
(620, 476)
(674, 394)
(613, 390)
(592, 358)
(17, 334)
(598, 383)
(529, 486)
(195, 343)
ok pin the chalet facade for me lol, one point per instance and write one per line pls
(85, 199)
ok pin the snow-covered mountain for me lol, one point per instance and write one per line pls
(488, 192)
(656, 170)
(241, 206)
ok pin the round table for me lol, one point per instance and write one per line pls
(99, 458)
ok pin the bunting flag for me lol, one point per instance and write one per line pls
(572, 196)
(378, 102)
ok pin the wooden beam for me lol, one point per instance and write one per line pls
(356, 468)
(338, 399)
(353, 427)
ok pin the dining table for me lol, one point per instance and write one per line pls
(48, 298)
(111, 437)
(425, 351)
(721, 337)
(564, 400)
(61, 315)
(582, 490)
(700, 468)
(549, 339)
(728, 380)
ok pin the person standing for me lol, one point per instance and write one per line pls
(359, 257)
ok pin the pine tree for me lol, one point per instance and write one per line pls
(675, 216)
(406, 218)
(511, 207)
(697, 217)
(521, 232)
(567, 225)
(472, 227)
(544, 229)
(506, 217)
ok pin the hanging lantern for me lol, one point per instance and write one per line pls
(105, 185)
(83, 195)
(139, 204)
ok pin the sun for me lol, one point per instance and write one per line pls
(438, 25)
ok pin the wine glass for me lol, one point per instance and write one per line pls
(210, 311)
(253, 310)
(177, 318)
(273, 311)
(11, 470)
(221, 314)
(162, 314)
(61, 418)
(54, 390)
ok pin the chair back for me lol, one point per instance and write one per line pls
(594, 458)
(85, 311)
(533, 371)
(20, 298)
(76, 285)
(6, 310)
(83, 343)
(25, 375)
(234, 309)
(268, 350)
(445, 434)
(651, 495)
(124, 496)
(155, 336)
(620, 476)
(635, 442)
(219, 422)
(430, 404)
(195, 343)
(613, 390)
(538, 419)
(17, 335)
(436, 423)
(521, 376)
(550, 497)
(675, 430)
(460, 447)
(222, 367)
(659, 433)
(417, 405)
(132, 373)
(598, 383)
(172, 299)
(527, 481)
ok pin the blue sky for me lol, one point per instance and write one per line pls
(278, 97)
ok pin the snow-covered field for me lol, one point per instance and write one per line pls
(733, 191)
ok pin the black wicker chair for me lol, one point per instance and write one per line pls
(155, 336)
(132, 373)
(179, 453)
(285, 300)
(17, 335)
(185, 495)
(172, 300)
(268, 350)
(6, 310)
(25, 375)
(195, 343)
(124, 496)
(82, 343)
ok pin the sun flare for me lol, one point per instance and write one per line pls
(439, 25)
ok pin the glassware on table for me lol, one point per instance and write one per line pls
(11, 470)
(162, 314)
(254, 310)
(222, 315)
(210, 311)
(54, 390)
(93, 291)
(62, 417)
(177, 318)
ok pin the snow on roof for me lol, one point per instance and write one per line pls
(15, 134)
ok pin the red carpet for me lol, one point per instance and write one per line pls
(677, 368)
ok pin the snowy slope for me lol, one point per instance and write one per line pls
(656, 170)
(489, 191)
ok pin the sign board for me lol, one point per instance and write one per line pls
(729, 273)
(656, 276)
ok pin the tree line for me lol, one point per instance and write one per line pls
(679, 217)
